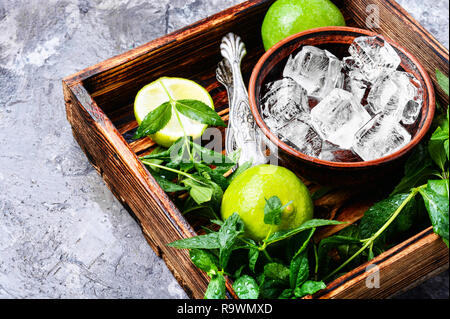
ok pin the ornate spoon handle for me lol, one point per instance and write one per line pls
(244, 129)
(225, 76)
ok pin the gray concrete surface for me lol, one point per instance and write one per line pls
(62, 233)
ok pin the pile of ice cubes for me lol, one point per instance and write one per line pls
(323, 106)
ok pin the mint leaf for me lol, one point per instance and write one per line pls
(380, 213)
(337, 240)
(418, 169)
(228, 234)
(439, 186)
(313, 223)
(166, 185)
(346, 245)
(246, 287)
(286, 294)
(253, 255)
(208, 241)
(174, 155)
(305, 243)
(441, 133)
(273, 210)
(179, 154)
(204, 260)
(435, 196)
(238, 272)
(309, 288)
(298, 270)
(155, 120)
(217, 195)
(210, 157)
(199, 193)
(438, 145)
(442, 81)
(217, 222)
(212, 174)
(224, 240)
(296, 244)
(155, 157)
(438, 153)
(273, 280)
(216, 288)
(276, 271)
(199, 111)
(271, 288)
(446, 148)
(204, 210)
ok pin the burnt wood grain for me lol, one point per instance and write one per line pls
(99, 106)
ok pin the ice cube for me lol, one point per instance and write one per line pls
(334, 153)
(349, 64)
(373, 57)
(399, 94)
(328, 150)
(316, 70)
(414, 97)
(284, 101)
(302, 137)
(338, 117)
(381, 136)
(334, 77)
(356, 84)
(411, 112)
(272, 123)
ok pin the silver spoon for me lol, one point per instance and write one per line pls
(242, 132)
(224, 76)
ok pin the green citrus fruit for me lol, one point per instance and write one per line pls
(156, 93)
(247, 196)
(288, 17)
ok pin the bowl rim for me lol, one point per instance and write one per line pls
(420, 134)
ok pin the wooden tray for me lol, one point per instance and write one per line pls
(99, 105)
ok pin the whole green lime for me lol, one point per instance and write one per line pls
(288, 17)
(247, 196)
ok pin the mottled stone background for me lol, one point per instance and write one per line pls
(62, 233)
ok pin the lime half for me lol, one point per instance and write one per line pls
(160, 91)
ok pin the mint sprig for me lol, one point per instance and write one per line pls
(261, 276)
(196, 110)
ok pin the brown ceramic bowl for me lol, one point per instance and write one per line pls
(337, 40)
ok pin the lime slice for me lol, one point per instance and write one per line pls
(156, 93)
